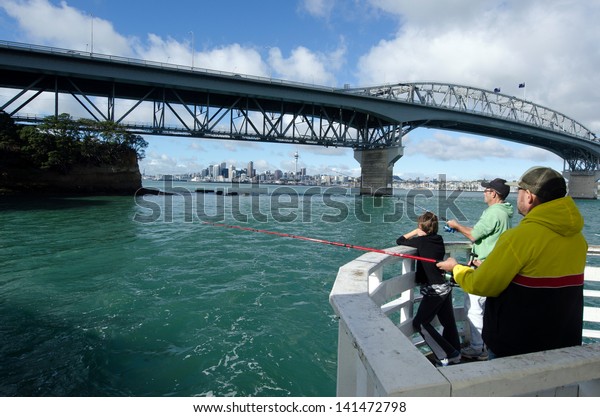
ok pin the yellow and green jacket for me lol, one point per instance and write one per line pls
(534, 282)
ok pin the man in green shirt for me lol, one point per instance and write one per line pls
(493, 222)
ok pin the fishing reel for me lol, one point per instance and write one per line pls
(449, 276)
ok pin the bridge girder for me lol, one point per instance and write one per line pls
(206, 114)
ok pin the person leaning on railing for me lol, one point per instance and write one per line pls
(436, 291)
(533, 277)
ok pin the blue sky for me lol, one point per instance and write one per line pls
(551, 45)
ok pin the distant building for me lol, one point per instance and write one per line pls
(250, 171)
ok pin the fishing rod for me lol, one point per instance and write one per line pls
(424, 209)
(326, 242)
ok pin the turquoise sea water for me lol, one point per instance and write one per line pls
(113, 296)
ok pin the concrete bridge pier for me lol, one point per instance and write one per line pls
(377, 169)
(583, 184)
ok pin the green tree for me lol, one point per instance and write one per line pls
(121, 140)
(9, 134)
(61, 142)
(54, 144)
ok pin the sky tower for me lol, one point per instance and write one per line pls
(296, 165)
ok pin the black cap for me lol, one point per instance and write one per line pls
(498, 185)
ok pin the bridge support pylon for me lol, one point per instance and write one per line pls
(377, 169)
(583, 184)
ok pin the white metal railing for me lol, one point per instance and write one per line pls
(379, 353)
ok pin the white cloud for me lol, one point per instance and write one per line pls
(158, 163)
(306, 66)
(448, 147)
(496, 43)
(262, 165)
(318, 8)
(229, 58)
(196, 145)
(436, 13)
(232, 58)
(331, 151)
(70, 28)
(166, 50)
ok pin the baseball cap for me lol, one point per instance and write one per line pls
(498, 185)
(544, 182)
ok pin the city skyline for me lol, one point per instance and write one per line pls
(222, 173)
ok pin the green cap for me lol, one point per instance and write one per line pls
(544, 182)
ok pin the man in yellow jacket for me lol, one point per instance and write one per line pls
(533, 278)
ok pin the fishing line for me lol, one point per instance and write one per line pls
(446, 227)
(326, 242)
(424, 209)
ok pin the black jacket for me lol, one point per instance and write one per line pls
(430, 246)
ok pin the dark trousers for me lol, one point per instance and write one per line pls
(448, 343)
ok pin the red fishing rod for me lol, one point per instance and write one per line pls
(326, 242)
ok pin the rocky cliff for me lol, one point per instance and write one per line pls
(17, 177)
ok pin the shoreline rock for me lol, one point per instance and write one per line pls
(81, 180)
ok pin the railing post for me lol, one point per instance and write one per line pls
(347, 363)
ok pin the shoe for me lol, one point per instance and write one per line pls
(474, 354)
(453, 360)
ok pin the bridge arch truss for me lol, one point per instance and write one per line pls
(581, 149)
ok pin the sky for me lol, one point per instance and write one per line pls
(550, 45)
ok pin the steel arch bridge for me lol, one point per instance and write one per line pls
(192, 102)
